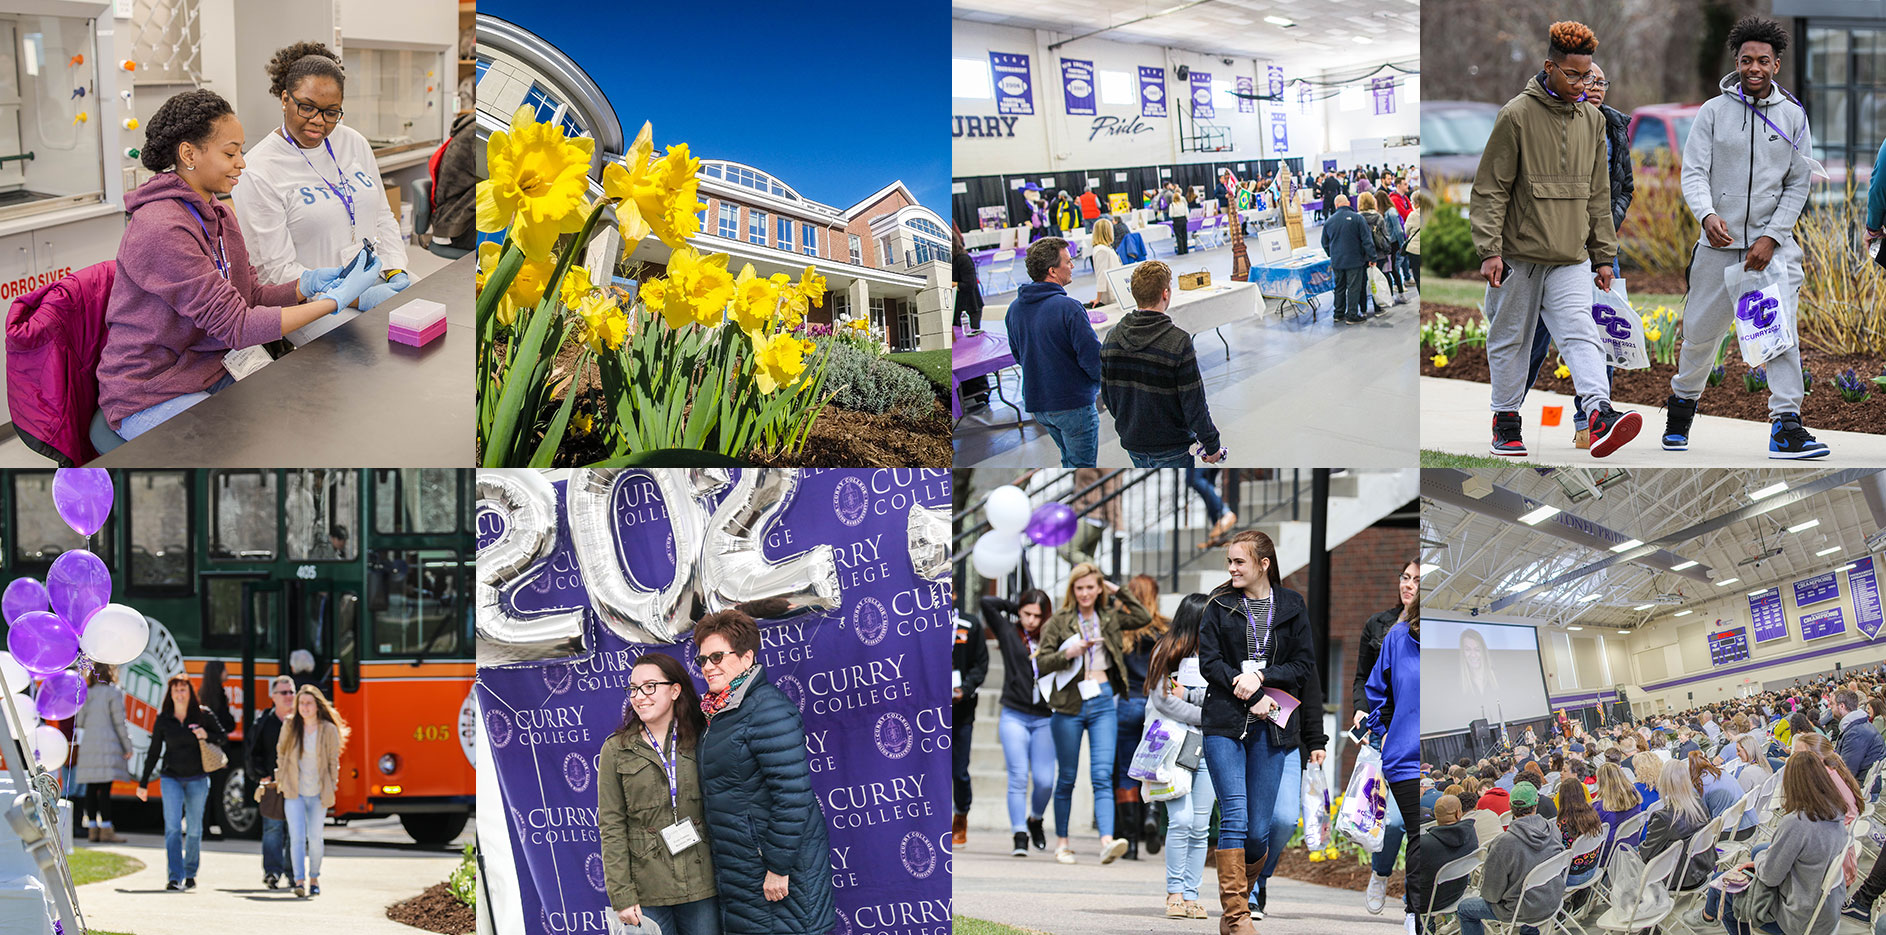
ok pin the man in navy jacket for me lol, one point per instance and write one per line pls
(1059, 353)
(1347, 240)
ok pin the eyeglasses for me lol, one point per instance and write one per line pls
(714, 658)
(1600, 84)
(307, 110)
(647, 688)
(1577, 77)
(283, 691)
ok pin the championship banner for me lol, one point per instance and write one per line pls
(1077, 84)
(1303, 98)
(1201, 95)
(1383, 90)
(1014, 92)
(1275, 76)
(580, 572)
(1863, 586)
(1279, 133)
(1245, 89)
(1152, 91)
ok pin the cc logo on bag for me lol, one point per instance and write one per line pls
(1612, 323)
(1757, 307)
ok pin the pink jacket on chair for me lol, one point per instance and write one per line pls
(55, 336)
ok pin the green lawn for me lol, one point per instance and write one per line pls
(934, 365)
(967, 926)
(1443, 459)
(91, 866)
(1471, 294)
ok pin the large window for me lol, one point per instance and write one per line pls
(1116, 89)
(242, 515)
(414, 601)
(784, 240)
(756, 227)
(395, 96)
(323, 506)
(39, 535)
(729, 221)
(415, 500)
(1846, 97)
(927, 226)
(159, 530)
(969, 77)
(758, 181)
(223, 619)
(809, 240)
(857, 249)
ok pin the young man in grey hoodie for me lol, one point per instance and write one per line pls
(1746, 170)
(1528, 841)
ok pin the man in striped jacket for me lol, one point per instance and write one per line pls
(1150, 381)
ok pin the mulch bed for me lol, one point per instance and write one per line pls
(1822, 409)
(845, 437)
(1343, 873)
(435, 910)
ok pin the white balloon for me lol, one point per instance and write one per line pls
(115, 635)
(50, 747)
(1007, 509)
(15, 675)
(996, 554)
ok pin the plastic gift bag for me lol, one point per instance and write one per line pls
(1364, 813)
(1177, 787)
(1158, 750)
(1764, 311)
(1620, 330)
(1378, 286)
(1315, 808)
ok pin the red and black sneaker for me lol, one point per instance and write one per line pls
(1506, 440)
(1610, 429)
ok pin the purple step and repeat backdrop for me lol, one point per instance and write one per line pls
(570, 595)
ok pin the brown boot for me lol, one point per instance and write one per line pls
(1233, 889)
(94, 832)
(959, 829)
(109, 836)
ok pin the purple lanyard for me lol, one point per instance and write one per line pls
(1270, 613)
(341, 193)
(219, 258)
(667, 767)
(1771, 124)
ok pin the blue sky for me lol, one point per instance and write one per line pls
(835, 99)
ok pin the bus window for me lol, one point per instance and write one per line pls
(159, 531)
(412, 596)
(222, 616)
(242, 515)
(348, 649)
(323, 515)
(415, 500)
(39, 535)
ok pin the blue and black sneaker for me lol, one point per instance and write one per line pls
(1857, 912)
(1679, 413)
(1789, 440)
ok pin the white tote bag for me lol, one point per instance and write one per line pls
(1764, 311)
(1620, 330)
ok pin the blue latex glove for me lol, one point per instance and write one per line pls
(364, 276)
(384, 291)
(316, 281)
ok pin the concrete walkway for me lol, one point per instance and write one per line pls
(1128, 897)
(1455, 418)
(359, 879)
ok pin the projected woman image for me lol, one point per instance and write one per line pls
(1478, 685)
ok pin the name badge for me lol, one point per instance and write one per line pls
(1253, 667)
(1089, 690)
(244, 361)
(680, 836)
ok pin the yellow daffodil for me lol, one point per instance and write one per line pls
(698, 289)
(575, 286)
(778, 360)
(859, 324)
(604, 324)
(1562, 371)
(1653, 334)
(1439, 360)
(754, 301)
(583, 423)
(812, 286)
(527, 287)
(654, 295)
(539, 180)
(808, 292)
(657, 196)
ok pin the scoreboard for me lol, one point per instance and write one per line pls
(1727, 646)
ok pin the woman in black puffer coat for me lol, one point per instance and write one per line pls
(771, 854)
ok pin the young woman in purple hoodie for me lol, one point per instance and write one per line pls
(185, 294)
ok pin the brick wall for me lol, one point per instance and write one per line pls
(861, 225)
(826, 244)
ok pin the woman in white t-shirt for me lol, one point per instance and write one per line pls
(314, 191)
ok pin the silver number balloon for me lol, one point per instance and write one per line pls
(527, 506)
(929, 541)
(633, 610)
(736, 573)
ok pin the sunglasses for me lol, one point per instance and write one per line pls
(648, 688)
(714, 658)
(307, 110)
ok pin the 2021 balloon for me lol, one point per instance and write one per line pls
(525, 506)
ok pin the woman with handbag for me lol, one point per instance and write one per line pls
(1254, 651)
(105, 753)
(1024, 725)
(1082, 661)
(1786, 873)
(1175, 692)
(185, 739)
(308, 769)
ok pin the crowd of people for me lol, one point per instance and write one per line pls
(1684, 769)
(1104, 662)
(1371, 219)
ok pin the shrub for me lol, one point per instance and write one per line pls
(1843, 302)
(866, 383)
(464, 879)
(1447, 242)
(1659, 230)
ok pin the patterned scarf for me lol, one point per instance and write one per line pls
(713, 703)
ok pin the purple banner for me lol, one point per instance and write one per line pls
(1822, 623)
(1771, 623)
(1077, 83)
(1014, 89)
(1303, 98)
(1245, 104)
(1383, 90)
(870, 677)
(1279, 133)
(1822, 587)
(1274, 74)
(1152, 91)
(1201, 95)
(1863, 586)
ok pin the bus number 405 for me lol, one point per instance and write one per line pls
(434, 732)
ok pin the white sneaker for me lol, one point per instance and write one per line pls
(1377, 893)
(1064, 855)
(1694, 918)
(1110, 850)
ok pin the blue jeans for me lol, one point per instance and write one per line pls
(700, 917)
(305, 817)
(144, 420)
(1180, 457)
(275, 847)
(1383, 861)
(1188, 833)
(1247, 774)
(1130, 714)
(1099, 719)
(1028, 746)
(1076, 432)
(183, 824)
(1207, 491)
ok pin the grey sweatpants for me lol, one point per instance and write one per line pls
(1561, 295)
(1709, 315)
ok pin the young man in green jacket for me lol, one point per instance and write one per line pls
(1541, 219)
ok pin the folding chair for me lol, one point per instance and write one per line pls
(1628, 832)
(1584, 845)
(1653, 901)
(997, 269)
(1540, 877)
(1450, 871)
(1703, 841)
(1828, 881)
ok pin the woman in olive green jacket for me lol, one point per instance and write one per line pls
(655, 857)
(1082, 666)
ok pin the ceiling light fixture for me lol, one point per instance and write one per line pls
(1643, 607)
(1574, 628)
(1758, 592)
(1769, 491)
(1801, 527)
(1279, 21)
(1726, 582)
(1846, 567)
(1627, 545)
(1588, 598)
(1689, 564)
(1828, 551)
(1539, 515)
(1682, 613)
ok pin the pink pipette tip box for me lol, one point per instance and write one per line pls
(416, 323)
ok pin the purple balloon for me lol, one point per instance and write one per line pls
(78, 584)
(61, 695)
(23, 596)
(1053, 524)
(42, 643)
(83, 498)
